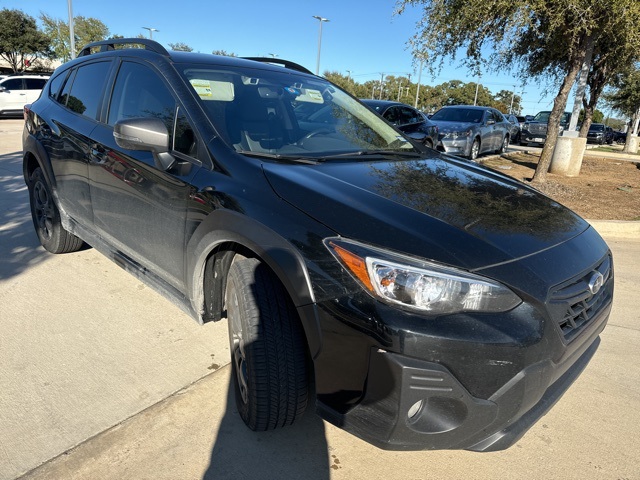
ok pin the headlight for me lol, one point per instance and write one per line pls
(457, 134)
(418, 284)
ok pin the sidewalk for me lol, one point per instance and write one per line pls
(629, 157)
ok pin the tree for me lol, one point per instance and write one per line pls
(180, 47)
(625, 97)
(21, 43)
(543, 38)
(86, 30)
(612, 55)
(224, 53)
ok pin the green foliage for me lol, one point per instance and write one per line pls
(86, 30)
(625, 92)
(180, 47)
(540, 38)
(20, 40)
(430, 98)
(224, 53)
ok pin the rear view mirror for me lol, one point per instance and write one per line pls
(148, 134)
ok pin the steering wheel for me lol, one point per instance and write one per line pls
(317, 131)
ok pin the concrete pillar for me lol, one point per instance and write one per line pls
(567, 156)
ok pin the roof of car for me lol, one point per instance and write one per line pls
(472, 107)
(115, 46)
(381, 103)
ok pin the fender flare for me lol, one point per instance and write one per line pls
(225, 226)
(34, 148)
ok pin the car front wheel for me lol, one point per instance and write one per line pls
(475, 149)
(46, 217)
(268, 350)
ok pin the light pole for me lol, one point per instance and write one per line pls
(513, 94)
(320, 19)
(415, 104)
(151, 30)
(475, 100)
(72, 37)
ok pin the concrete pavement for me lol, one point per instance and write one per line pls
(592, 433)
(103, 378)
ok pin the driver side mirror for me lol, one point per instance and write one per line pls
(146, 134)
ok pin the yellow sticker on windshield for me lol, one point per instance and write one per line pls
(213, 89)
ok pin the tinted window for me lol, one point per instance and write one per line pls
(67, 87)
(87, 87)
(392, 115)
(409, 115)
(56, 84)
(185, 138)
(35, 83)
(466, 115)
(139, 92)
(13, 84)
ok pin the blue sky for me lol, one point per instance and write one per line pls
(363, 36)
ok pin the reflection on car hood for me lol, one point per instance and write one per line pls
(445, 127)
(439, 208)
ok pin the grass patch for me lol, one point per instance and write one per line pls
(612, 150)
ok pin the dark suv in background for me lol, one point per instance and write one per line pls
(535, 131)
(426, 301)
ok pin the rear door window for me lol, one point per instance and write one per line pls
(86, 91)
(35, 83)
(13, 84)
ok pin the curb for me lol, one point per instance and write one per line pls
(617, 228)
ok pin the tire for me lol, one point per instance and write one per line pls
(46, 217)
(268, 350)
(504, 145)
(475, 149)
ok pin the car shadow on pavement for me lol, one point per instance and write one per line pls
(297, 451)
(19, 245)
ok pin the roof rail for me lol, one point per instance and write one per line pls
(277, 61)
(107, 45)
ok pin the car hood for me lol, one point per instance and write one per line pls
(438, 208)
(445, 127)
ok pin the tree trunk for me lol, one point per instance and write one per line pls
(559, 105)
(599, 78)
(631, 131)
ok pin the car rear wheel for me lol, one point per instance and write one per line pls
(475, 149)
(504, 145)
(268, 350)
(46, 217)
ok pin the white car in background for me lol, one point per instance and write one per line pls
(18, 90)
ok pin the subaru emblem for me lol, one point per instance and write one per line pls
(595, 282)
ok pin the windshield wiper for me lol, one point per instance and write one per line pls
(277, 156)
(360, 153)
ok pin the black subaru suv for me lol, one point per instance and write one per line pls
(420, 300)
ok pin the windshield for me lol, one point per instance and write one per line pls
(466, 115)
(543, 117)
(596, 127)
(288, 114)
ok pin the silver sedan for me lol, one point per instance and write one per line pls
(469, 131)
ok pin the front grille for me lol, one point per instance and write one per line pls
(538, 128)
(574, 305)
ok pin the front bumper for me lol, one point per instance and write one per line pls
(411, 404)
(528, 137)
(460, 146)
